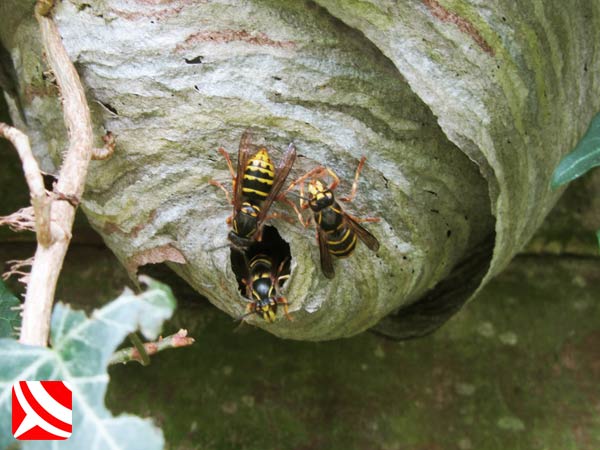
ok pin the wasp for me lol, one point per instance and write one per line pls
(337, 231)
(256, 184)
(263, 287)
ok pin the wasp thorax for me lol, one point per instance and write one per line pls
(262, 286)
(245, 221)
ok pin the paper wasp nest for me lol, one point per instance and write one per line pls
(462, 110)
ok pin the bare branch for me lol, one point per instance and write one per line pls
(48, 260)
(21, 220)
(40, 201)
(179, 339)
(15, 268)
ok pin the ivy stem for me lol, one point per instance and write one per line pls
(179, 339)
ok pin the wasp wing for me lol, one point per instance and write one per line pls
(280, 176)
(369, 240)
(326, 259)
(243, 157)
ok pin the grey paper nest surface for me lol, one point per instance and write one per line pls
(463, 109)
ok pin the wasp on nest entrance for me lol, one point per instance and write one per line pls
(261, 272)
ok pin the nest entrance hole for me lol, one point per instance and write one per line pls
(272, 245)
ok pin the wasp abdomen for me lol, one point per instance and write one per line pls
(340, 239)
(341, 242)
(265, 302)
(258, 177)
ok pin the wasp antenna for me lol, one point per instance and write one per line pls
(212, 249)
(295, 194)
(243, 316)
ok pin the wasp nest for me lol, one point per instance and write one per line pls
(462, 111)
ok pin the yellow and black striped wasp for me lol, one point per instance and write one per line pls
(337, 231)
(263, 287)
(256, 184)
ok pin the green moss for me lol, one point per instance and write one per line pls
(249, 390)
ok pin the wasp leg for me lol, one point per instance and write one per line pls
(225, 155)
(283, 198)
(304, 205)
(282, 278)
(277, 215)
(220, 186)
(249, 311)
(350, 197)
(336, 179)
(303, 202)
(302, 179)
(248, 289)
(280, 268)
(277, 279)
(283, 301)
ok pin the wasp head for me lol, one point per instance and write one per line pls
(319, 197)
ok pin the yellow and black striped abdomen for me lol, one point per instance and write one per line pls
(340, 238)
(341, 242)
(258, 177)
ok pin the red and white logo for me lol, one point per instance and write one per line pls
(42, 410)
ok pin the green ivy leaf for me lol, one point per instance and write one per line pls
(10, 316)
(585, 156)
(81, 348)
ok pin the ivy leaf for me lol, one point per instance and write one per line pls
(585, 156)
(10, 315)
(81, 348)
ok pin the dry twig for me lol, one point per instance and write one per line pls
(39, 200)
(16, 268)
(179, 339)
(21, 220)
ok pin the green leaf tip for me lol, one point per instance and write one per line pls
(585, 156)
